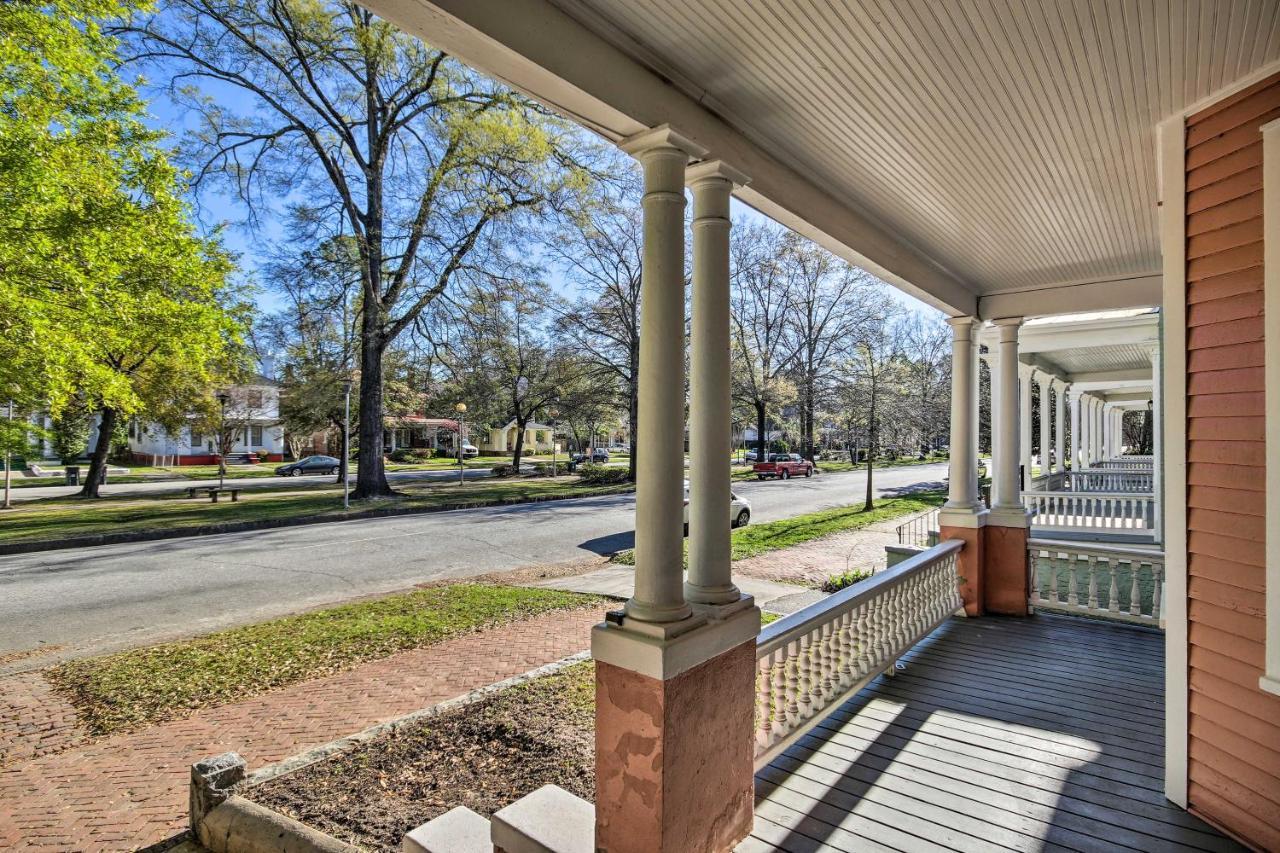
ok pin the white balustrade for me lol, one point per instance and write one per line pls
(1132, 578)
(1091, 511)
(1106, 480)
(815, 659)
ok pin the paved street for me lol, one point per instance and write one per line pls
(113, 596)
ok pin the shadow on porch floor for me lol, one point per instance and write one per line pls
(1022, 734)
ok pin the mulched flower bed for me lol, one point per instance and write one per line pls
(483, 756)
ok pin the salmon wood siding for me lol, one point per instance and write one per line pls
(1234, 745)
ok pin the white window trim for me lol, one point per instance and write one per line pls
(1270, 680)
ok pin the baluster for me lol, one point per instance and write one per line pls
(1157, 580)
(846, 649)
(778, 682)
(866, 629)
(1073, 597)
(805, 697)
(793, 684)
(826, 662)
(1035, 574)
(764, 708)
(1093, 582)
(1113, 594)
(1051, 565)
(1135, 596)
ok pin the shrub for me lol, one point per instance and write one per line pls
(601, 475)
(400, 455)
(835, 583)
(504, 470)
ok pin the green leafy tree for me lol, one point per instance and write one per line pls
(369, 134)
(70, 433)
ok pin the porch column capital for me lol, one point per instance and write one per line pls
(662, 137)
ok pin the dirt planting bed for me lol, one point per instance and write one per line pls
(483, 756)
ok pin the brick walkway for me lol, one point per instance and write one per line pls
(59, 792)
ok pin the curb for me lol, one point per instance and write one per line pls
(10, 548)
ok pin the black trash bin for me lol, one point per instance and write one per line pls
(73, 475)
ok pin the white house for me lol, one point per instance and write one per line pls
(254, 405)
(537, 438)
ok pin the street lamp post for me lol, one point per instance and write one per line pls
(346, 444)
(461, 409)
(223, 443)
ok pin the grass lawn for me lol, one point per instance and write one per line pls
(761, 538)
(142, 686)
(58, 518)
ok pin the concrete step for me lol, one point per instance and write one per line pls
(458, 830)
(550, 820)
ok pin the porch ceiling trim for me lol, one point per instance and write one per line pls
(535, 47)
(1068, 298)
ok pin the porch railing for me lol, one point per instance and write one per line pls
(1135, 461)
(1111, 512)
(919, 530)
(1097, 580)
(816, 658)
(1107, 480)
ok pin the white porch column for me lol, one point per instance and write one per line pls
(1059, 428)
(1024, 423)
(1098, 434)
(1108, 430)
(1045, 381)
(1077, 459)
(1157, 442)
(659, 574)
(710, 579)
(1007, 491)
(963, 465)
(993, 411)
(1087, 430)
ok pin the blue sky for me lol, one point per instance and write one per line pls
(214, 208)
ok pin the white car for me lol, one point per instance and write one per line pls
(469, 450)
(739, 509)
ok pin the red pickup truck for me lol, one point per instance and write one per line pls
(784, 466)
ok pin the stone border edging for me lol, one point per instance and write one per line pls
(30, 547)
(319, 753)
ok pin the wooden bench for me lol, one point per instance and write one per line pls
(213, 492)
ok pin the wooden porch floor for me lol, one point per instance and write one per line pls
(1021, 734)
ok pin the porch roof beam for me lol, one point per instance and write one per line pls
(537, 48)
(1073, 297)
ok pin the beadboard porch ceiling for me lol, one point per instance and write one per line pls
(985, 155)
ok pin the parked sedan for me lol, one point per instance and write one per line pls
(739, 509)
(309, 465)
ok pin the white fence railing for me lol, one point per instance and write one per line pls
(920, 530)
(1097, 580)
(1091, 511)
(816, 658)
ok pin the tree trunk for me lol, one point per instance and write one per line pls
(98, 462)
(871, 455)
(343, 454)
(762, 439)
(519, 448)
(371, 478)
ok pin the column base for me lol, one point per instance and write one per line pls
(674, 769)
(967, 525)
(1005, 583)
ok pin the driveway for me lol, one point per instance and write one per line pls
(121, 595)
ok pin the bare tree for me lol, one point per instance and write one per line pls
(601, 251)
(874, 368)
(365, 132)
(761, 301)
(833, 303)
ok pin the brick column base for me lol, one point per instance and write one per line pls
(970, 565)
(674, 758)
(1005, 587)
